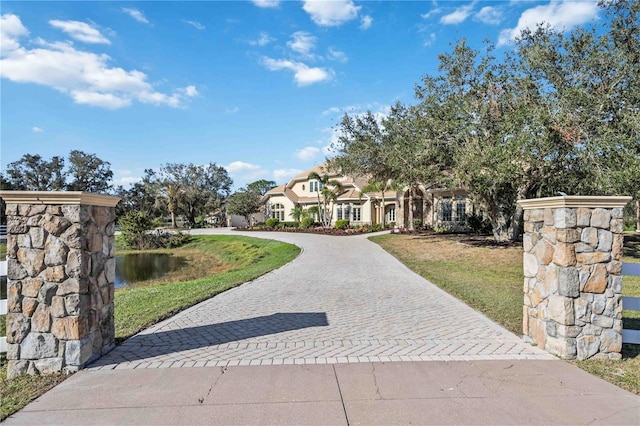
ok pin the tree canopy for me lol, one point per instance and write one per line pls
(86, 172)
(558, 112)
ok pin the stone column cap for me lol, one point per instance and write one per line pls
(59, 198)
(590, 201)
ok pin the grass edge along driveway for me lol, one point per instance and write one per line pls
(490, 281)
(140, 307)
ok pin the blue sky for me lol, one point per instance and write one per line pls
(256, 86)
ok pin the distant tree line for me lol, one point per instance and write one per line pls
(557, 113)
(194, 192)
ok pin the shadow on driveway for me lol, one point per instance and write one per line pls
(144, 346)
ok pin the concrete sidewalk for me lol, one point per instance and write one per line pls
(483, 392)
(344, 334)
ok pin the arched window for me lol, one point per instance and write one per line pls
(277, 211)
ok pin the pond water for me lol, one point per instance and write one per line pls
(137, 267)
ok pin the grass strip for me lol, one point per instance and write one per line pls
(248, 258)
(136, 308)
(490, 280)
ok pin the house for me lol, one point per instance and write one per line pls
(431, 207)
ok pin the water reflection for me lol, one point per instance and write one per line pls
(137, 267)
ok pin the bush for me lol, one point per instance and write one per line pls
(417, 223)
(478, 224)
(375, 228)
(272, 222)
(134, 226)
(306, 222)
(137, 235)
(342, 224)
(390, 225)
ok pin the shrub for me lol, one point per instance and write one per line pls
(306, 222)
(417, 223)
(390, 225)
(375, 228)
(478, 224)
(272, 222)
(342, 224)
(134, 226)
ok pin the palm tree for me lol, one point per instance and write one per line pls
(381, 186)
(298, 213)
(327, 195)
(172, 193)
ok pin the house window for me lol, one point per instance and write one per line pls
(461, 208)
(391, 214)
(447, 209)
(303, 188)
(339, 212)
(277, 211)
(355, 213)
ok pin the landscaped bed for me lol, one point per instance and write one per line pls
(489, 278)
(224, 261)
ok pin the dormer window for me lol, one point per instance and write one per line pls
(303, 186)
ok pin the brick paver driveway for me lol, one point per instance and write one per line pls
(343, 300)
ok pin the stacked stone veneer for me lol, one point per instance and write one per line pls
(60, 280)
(572, 285)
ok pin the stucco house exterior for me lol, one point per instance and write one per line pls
(432, 207)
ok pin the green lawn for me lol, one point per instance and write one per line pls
(233, 259)
(490, 280)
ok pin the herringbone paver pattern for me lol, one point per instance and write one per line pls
(343, 300)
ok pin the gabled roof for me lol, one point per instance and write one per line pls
(353, 186)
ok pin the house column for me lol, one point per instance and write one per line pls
(60, 280)
(572, 285)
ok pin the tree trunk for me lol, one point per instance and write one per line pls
(173, 219)
(638, 215)
(410, 209)
(382, 218)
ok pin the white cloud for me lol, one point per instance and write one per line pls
(135, 14)
(303, 43)
(243, 173)
(262, 41)
(430, 40)
(240, 167)
(195, 24)
(266, 3)
(307, 153)
(337, 55)
(190, 91)
(232, 110)
(37, 129)
(11, 29)
(457, 16)
(366, 22)
(80, 31)
(303, 74)
(85, 76)
(378, 109)
(560, 15)
(285, 175)
(331, 13)
(489, 15)
(432, 12)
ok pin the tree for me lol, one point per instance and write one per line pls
(88, 173)
(32, 173)
(327, 195)
(244, 202)
(141, 196)
(363, 150)
(261, 186)
(203, 188)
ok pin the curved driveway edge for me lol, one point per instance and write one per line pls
(343, 300)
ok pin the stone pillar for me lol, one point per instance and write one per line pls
(60, 279)
(572, 285)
